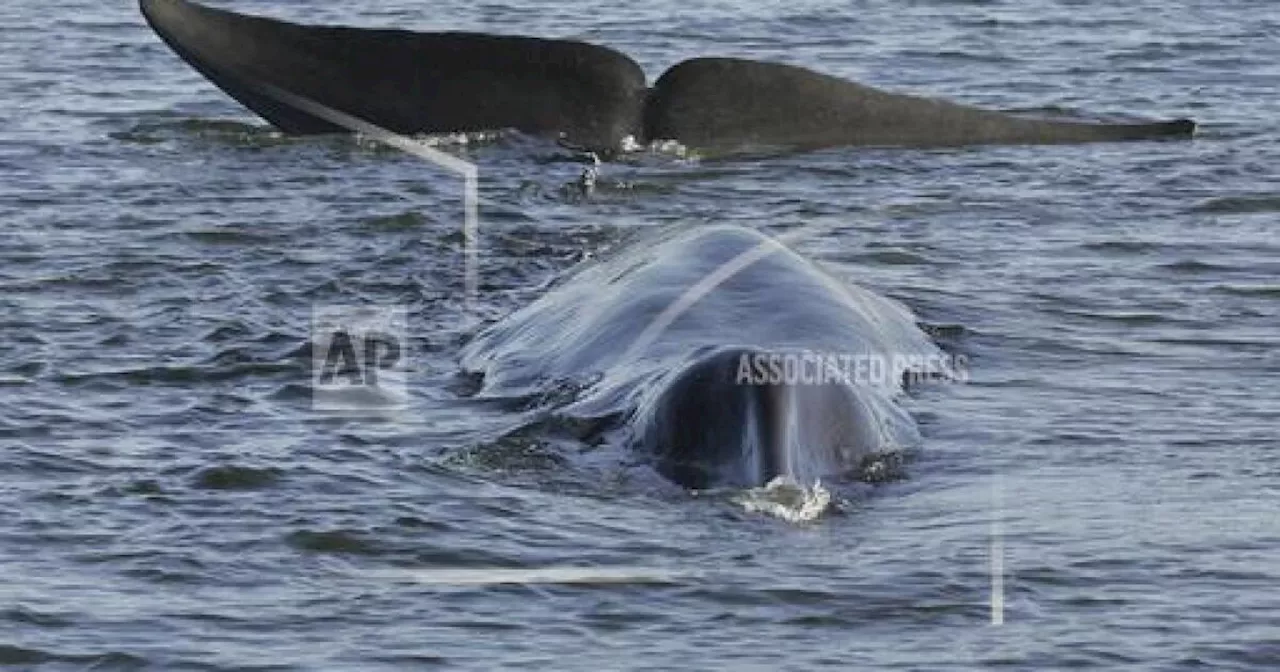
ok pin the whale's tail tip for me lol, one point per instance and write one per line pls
(1175, 129)
(1180, 127)
(148, 7)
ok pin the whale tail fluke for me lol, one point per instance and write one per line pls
(408, 82)
(789, 106)
(586, 95)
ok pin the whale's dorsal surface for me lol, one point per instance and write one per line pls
(598, 320)
(678, 390)
(590, 96)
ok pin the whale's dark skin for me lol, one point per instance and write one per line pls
(709, 427)
(586, 95)
(715, 102)
(409, 82)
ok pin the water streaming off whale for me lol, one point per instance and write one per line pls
(624, 330)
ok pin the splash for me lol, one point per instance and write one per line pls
(446, 140)
(785, 498)
(670, 148)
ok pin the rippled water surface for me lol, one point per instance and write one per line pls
(171, 501)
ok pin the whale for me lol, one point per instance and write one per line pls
(584, 95)
(711, 354)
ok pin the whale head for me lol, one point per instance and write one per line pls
(730, 419)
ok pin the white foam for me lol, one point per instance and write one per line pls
(456, 139)
(787, 499)
(670, 148)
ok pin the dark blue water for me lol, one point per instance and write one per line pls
(1102, 492)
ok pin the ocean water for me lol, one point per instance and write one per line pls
(1102, 492)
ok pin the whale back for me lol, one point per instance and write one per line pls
(409, 82)
(728, 103)
(642, 335)
(603, 319)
